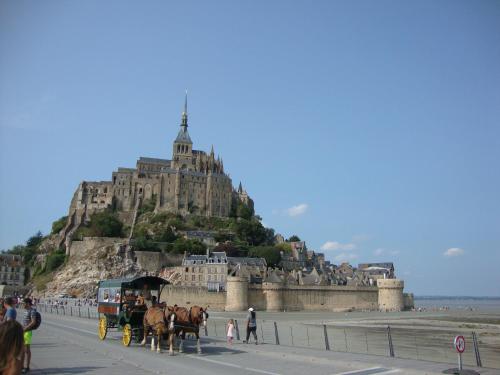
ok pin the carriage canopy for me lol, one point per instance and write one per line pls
(114, 290)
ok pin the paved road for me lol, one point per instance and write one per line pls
(69, 345)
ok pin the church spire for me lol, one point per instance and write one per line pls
(183, 136)
(184, 122)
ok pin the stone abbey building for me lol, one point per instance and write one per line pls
(191, 182)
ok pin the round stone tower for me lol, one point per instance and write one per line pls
(237, 293)
(274, 295)
(390, 294)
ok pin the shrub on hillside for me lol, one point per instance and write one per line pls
(162, 217)
(182, 245)
(105, 224)
(147, 206)
(144, 244)
(55, 260)
(165, 235)
(59, 224)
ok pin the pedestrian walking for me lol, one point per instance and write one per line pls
(230, 329)
(251, 325)
(10, 311)
(29, 322)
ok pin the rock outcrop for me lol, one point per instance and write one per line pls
(92, 260)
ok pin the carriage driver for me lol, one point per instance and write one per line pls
(146, 294)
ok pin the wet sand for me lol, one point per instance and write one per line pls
(426, 335)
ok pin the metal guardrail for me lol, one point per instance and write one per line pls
(389, 341)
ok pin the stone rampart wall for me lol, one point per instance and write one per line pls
(317, 298)
(154, 261)
(409, 301)
(295, 298)
(81, 248)
(192, 295)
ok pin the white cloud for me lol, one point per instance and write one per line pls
(360, 238)
(334, 245)
(453, 252)
(297, 210)
(345, 257)
(381, 251)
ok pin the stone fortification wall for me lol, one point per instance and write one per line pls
(317, 298)
(81, 248)
(237, 293)
(330, 298)
(409, 301)
(193, 295)
(274, 297)
(390, 294)
(154, 261)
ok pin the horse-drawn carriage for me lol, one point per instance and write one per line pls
(122, 304)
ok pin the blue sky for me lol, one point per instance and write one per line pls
(370, 129)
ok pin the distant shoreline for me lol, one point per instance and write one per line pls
(457, 298)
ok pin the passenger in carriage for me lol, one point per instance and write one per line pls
(146, 295)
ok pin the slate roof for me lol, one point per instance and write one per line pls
(154, 161)
(183, 136)
(247, 261)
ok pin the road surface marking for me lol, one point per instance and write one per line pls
(69, 327)
(232, 365)
(369, 371)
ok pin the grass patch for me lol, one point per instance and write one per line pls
(40, 281)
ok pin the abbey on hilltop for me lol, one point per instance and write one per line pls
(192, 182)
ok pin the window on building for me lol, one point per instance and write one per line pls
(193, 277)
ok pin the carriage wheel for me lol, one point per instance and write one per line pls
(102, 329)
(127, 335)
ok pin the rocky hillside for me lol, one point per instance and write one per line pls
(98, 259)
(104, 247)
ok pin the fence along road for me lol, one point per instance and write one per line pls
(69, 345)
(387, 342)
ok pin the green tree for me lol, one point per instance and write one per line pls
(270, 253)
(144, 244)
(251, 231)
(285, 247)
(244, 211)
(59, 224)
(294, 238)
(165, 235)
(105, 224)
(182, 245)
(35, 240)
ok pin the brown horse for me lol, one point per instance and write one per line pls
(189, 321)
(161, 321)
